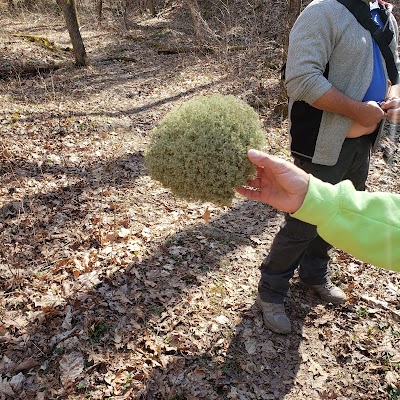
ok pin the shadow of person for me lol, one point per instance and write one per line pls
(254, 363)
(175, 321)
(113, 317)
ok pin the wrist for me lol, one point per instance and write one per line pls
(357, 110)
(301, 192)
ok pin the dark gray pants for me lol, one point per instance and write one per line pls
(297, 244)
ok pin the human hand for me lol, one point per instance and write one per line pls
(392, 108)
(278, 183)
(370, 114)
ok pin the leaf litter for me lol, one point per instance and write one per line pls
(113, 288)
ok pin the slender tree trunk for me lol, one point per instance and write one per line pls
(293, 11)
(202, 31)
(151, 8)
(125, 14)
(99, 10)
(68, 8)
(11, 5)
(29, 4)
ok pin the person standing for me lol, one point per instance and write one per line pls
(337, 86)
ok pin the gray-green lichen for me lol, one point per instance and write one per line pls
(199, 150)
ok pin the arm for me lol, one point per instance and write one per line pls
(366, 225)
(392, 104)
(366, 114)
(309, 53)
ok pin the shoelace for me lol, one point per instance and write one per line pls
(278, 309)
(329, 285)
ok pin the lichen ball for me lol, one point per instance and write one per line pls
(199, 150)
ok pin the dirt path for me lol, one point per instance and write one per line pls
(114, 289)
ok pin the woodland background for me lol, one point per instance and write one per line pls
(112, 288)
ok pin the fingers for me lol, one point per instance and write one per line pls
(256, 157)
(249, 193)
(393, 116)
(263, 160)
(254, 183)
(392, 103)
(392, 108)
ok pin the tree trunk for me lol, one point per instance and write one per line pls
(293, 11)
(68, 8)
(99, 10)
(202, 31)
(125, 14)
(151, 8)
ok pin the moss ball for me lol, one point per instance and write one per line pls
(199, 150)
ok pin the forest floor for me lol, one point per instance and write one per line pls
(112, 288)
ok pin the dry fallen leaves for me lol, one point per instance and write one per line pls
(71, 367)
(115, 288)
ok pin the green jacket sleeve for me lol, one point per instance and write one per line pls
(364, 224)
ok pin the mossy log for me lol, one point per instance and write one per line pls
(40, 40)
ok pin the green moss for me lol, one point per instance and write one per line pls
(40, 40)
(199, 150)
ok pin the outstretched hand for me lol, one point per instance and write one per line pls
(278, 183)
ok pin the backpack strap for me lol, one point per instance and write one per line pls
(362, 13)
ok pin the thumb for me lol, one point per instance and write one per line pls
(274, 164)
(258, 158)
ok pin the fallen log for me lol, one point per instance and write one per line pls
(26, 70)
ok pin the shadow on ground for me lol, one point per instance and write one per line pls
(149, 317)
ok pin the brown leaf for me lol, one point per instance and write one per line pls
(5, 388)
(24, 365)
(207, 214)
(71, 366)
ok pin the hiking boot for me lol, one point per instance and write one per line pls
(274, 316)
(330, 293)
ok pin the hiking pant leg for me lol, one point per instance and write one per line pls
(314, 263)
(297, 242)
(285, 254)
(358, 173)
(353, 164)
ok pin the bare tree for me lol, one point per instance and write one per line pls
(29, 4)
(11, 5)
(68, 8)
(293, 11)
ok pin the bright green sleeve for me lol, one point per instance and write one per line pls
(364, 224)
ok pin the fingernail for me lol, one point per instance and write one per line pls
(254, 153)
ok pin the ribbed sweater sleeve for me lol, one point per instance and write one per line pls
(364, 224)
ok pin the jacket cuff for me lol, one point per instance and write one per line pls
(321, 204)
